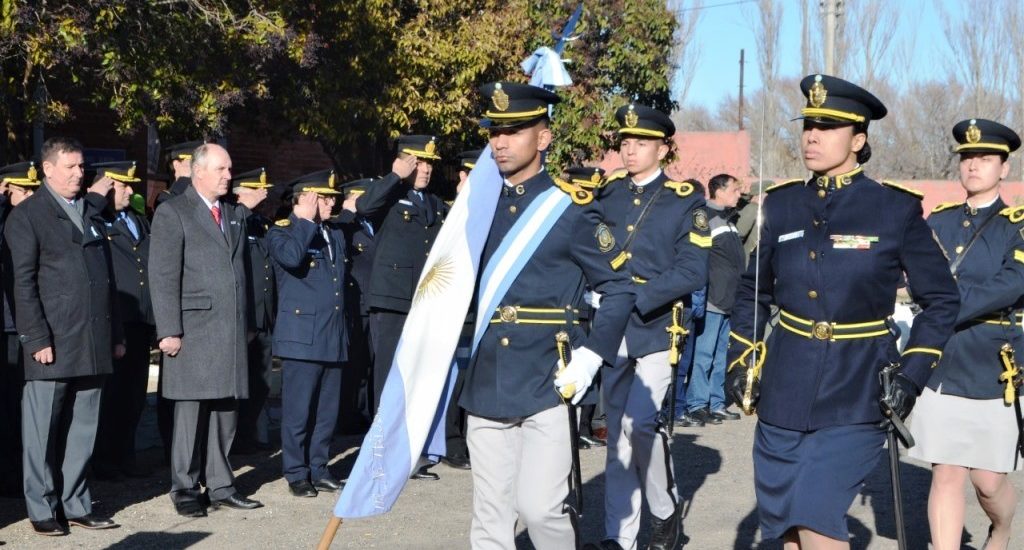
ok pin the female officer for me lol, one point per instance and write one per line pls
(831, 255)
(964, 423)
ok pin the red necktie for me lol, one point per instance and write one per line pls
(216, 215)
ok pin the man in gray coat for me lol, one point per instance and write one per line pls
(198, 288)
(64, 308)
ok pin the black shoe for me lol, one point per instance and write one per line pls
(708, 418)
(49, 528)
(423, 473)
(691, 420)
(190, 508)
(591, 442)
(606, 544)
(724, 414)
(93, 522)
(459, 462)
(302, 488)
(665, 532)
(238, 502)
(328, 484)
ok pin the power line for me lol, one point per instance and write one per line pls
(720, 5)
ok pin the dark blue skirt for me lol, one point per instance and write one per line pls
(809, 479)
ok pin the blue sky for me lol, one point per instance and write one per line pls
(725, 28)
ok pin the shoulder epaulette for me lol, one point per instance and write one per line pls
(782, 184)
(906, 190)
(682, 188)
(283, 223)
(1014, 213)
(616, 175)
(578, 194)
(946, 206)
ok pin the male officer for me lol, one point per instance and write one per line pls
(662, 226)
(518, 430)
(309, 334)
(467, 160)
(407, 217)
(124, 393)
(357, 376)
(250, 190)
(17, 182)
(179, 161)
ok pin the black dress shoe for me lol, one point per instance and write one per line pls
(328, 484)
(49, 528)
(237, 501)
(423, 473)
(190, 508)
(725, 414)
(459, 462)
(690, 420)
(302, 488)
(93, 522)
(591, 442)
(708, 418)
(665, 532)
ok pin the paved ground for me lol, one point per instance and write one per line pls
(713, 469)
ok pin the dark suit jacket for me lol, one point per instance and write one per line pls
(198, 287)
(261, 288)
(63, 288)
(406, 230)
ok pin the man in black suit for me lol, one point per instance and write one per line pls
(68, 325)
(250, 190)
(124, 393)
(17, 183)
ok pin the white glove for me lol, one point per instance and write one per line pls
(579, 373)
(592, 298)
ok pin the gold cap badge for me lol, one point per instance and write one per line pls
(32, 173)
(330, 180)
(595, 177)
(263, 176)
(131, 171)
(818, 93)
(973, 133)
(431, 147)
(631, 118)
(499, 98)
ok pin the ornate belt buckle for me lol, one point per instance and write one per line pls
(509, 314)
(822, 330)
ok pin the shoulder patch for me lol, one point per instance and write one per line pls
(283, 223)
(780, 185)
(906, 190)
(682, 188)
(605, 239)
(1014, 213)
(700, 219)
(578, 194)
(946, 206)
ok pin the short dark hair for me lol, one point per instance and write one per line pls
(57, 145)
(721, 181)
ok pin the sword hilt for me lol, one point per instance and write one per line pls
(676, 332)
(562, 345)
(1011, 373)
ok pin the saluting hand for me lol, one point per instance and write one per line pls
(403, 167)
(306, 208)
(102, 186)
(44, 356)
(170, 345)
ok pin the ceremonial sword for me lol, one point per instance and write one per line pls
(567, 393)
(895, 432)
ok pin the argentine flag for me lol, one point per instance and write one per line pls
(412, 403)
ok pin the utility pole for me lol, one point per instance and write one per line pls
(741, 92)
(832, 10)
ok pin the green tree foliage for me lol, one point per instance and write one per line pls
(352, 75)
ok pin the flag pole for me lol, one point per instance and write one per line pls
(328, 537)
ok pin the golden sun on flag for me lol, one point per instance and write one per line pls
(436, 280)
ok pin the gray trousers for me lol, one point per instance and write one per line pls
(203, 433)
(638, 455)
(521, 472)
(58, 431)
